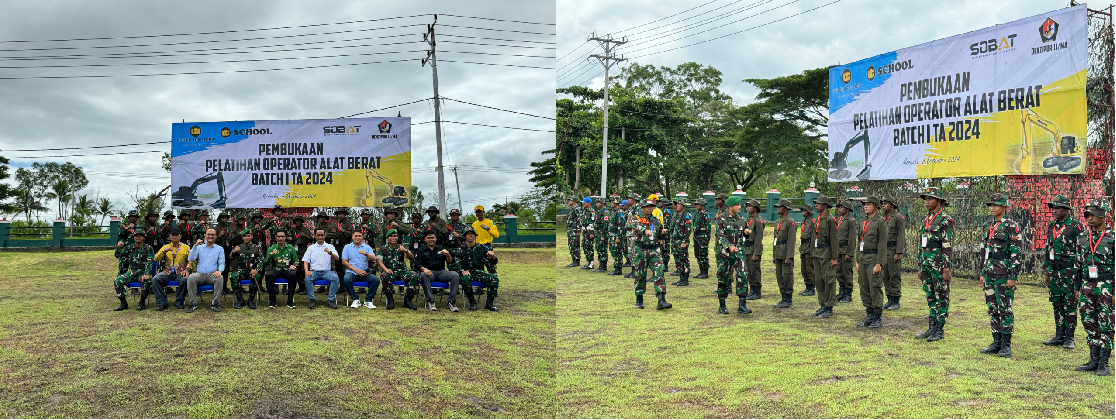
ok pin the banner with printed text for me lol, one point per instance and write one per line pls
(1004, 100)
(360, 162)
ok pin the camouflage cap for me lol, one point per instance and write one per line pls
(366, 211)
(615, 199)
(806, 209)
(699, 202)
(871, 199)
(648, 203)
(469, 230)
(783, 203)
(1099, 208)
(846, 204)
(186, 213)
(888, 199)
(139, 232)
(633, 195)
(202, 214)
(1060, 201)
(391, 210)
(722, 196)
(322, 215)
(239, 218)
(298, 218)
(168, 214)
(824, 200)
(999, 199)
(276, 208)
(152, 213)
(454, 211)
(416, 216)
(754, 203)
(932, 192)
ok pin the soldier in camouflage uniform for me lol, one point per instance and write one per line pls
(753, 249)
(648, 250)
(846, 246)
(702, 230)
(137, 258)
(246, 263)
(299, 236)
(805, 249)
(1063, 267)
(124, 236)
(616, 237)
(896, 247)
(456, 237)
(277, 223)
(1098, 251)
(198, 230)
(631, 232)
(390, 260)
(261, 233)
(340, 233)
(668, 223)
(367, 228)
(587, 215)
(573, 234)
(730, 256)
(416, 235)
(935, 248)
(680, 241)
(600, 234)
(782, 250)
(473, 265)
(871, 250)
(1001, 262)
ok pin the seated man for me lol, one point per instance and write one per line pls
(431, 261)
(172, 257)
(316, 265)
(476, 258)
(210, 260)
(280, 263)
(356, 258)
(394, 269)
(136, 259)
(246, 260)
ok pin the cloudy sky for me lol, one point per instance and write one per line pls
(40, 114)
(841, 32)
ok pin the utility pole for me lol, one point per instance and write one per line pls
(577, 170)
(432, 59)
(608, 59)
(458, 183)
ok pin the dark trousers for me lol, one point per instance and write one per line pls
(444, 276)
(270, 277)
(161, 281)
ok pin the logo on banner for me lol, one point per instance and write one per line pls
(993, 46)
(225, 132)
(384, 126)
(341, 130)
(195, 131)
(846, 76)
(1049, 31)
(871, 73)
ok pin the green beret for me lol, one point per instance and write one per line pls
(391, 232)
(733, 201)
(246, 232)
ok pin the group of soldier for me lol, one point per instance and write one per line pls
(153, 253)
(835, 249)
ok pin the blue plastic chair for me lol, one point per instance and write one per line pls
(247, 282)
(135, 288)
(357, 285)
(435, 285)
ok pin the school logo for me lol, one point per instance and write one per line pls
(846, 76)
(1049, 30)
(384, 126)
(871, 73)
(225, 132)
(195, 131)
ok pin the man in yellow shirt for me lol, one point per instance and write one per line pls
(172, 259)
(486, 232)
(657, 212)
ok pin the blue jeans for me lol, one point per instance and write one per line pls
(322, 275)
(371, 278)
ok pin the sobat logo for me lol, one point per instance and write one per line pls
(341, 130)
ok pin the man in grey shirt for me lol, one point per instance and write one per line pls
(210, 259)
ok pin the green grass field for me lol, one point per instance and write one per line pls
(65, 353)
(690, 362)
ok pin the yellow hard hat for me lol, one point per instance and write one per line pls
(478, 208)
(653, 197)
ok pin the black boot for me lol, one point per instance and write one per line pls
(390, 302)
(892, 303)
(252, 301)
(1102, 362)
(756, 294)
(1059, 337)
(239, 302)
(684, 281)
(587, 266)
(938, 333)
(867, 318)
(489, 303)
(408, 300)
(1068, 342)
(877, 314)
(809, 291)
(603, 267)
(1094, 359)
(615, 272)
(786, 302)
(995, 346)
(827, 311)
(743, 308)
(723, 310)
(1005, 345)
(143, 303)
(663, 304)
(573, 264)
(846, 295)
(123, 304)
(704, 274)
(639, 301)
(930, 323)
(675, 273)
(675, 283)
(473, 303)
(629, 275)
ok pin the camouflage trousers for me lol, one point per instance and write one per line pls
(999, 297)
(409, 277)
(665, 253)
(729, 269)
(616, 248)
(601, 243)
(648, 261)
(1096, 312)
(574, 241)
(587, 245)
(238, 275)
(1063, 288)
(937, 292)
(681, 255)
(701, 252)
(489, 280)
(131, 276)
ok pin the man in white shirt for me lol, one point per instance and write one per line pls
(316, 265)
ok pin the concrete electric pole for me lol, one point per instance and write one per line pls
(607, 59)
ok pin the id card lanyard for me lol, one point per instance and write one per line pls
(1057, 233)
(926, 229)
(863, 230)
(988, 242)
(1093, 272)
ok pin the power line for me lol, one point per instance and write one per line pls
(84, 147)
(390, 107)
(649, 39)
(204, 72)
(493, 64)
(572, 51)
(221, 32)
(497, 45)
(176, 53)
(497, 30)
(566, 73)
(699, 14)
(497, 39)
(498, 109)
(496, 126)
(96, 154)
(499, 20)
(208, 62)
(668, 17)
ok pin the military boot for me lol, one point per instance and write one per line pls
(1068, 342)
(809, 291)
(1094, 356)
(877, 314)
(938, 333)
(867, 318)
(390, 302)
(408, 300)
(786, 302)
(722, 309)
(1102, 362)
(743, 308)
(756, 294)
(704, 274)
(684, 281)
(1005, 345)
(663, 304)
(239, 301)
(892, 303)
(123, 304)
(674, 273)
(628, 263)
(615, 272)
(603, 267)
(845, 296)
(489, 304)
(252, 301)
(629, 275)
(639, 301)
(1059, 337)
(995, 346)
(473, 303)
(587, 266)
(143, 302)
(929, 329)
(573, 264)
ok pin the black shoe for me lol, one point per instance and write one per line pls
(191, 309)
(1102, 362)
(663, 304)
(1068, 342)
(819, 311)
(123, 304)
(828, 312)
(628, 276)
(892, 303)
(252, 303)
(615, 272)
(675, 273)
(995, 346)
(929, 329)
(1059, 337)
(390, 302)
(408, 301)
(1005, 345)
(639, 301)
(845, 296)
(332, 303)
(704, 274)
(490, 303)
(160, 308)
(876, 315)
(215, 308)
(179, 305)
(867, 318)
(676, 283)
(600, 270)
(755, 295)
(723, 309)
(684, 282)
(239, 303)
(938, 333)
(809, 291)
(743, 307)
(142, 305)
(313, 303)
(1094, 359)
(573, 264)
(785, 303)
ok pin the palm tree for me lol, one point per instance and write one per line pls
(26, 203)
(60, 192)
(103, 209)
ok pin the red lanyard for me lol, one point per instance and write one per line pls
(864, 229)
(777, 227)
(992, 230)
(1092, 246)
(930, 219)
(1058, 233)
(839, 222)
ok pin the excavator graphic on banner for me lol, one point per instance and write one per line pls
(838, 166)
(398, 196)
(187, 196)
(1065, 155)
